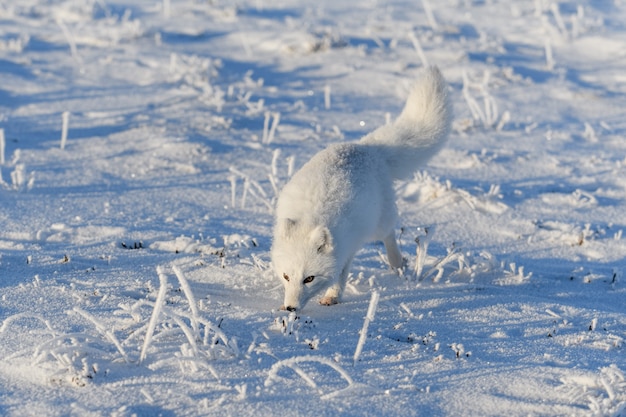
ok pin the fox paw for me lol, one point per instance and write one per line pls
(403, 265)
(329, 301)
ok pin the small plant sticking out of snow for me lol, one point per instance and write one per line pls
(270, 132)
(459, 350)
(436, 270)
(313, 343)
(134, 245)
(197, 73)
(487, 114)
(287, 325)
(294, 325)
(254, 187)
(616, 277)
(514, 275)
(422, 242)
(18, 176)
(564, 27)
(20, 179)
(251, 187)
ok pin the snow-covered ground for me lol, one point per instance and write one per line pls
(134, 247)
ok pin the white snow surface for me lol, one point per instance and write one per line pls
(134, 255)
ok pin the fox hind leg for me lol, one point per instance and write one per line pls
(393, 252)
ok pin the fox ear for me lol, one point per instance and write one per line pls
(322, 239)
(285, 226)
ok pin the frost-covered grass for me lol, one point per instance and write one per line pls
(142, 148)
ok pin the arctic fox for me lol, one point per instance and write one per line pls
(343, 197)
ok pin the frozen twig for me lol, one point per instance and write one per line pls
(549, 55)
(18, 176)
(429, 15)
(249, 186)
(293, 364)
(514, 275)
(590, 133)
(233, 190)
(64, 128)
(246, 188)
(72, 43)
(475, 109)
(418, 48)
(327, 96)
(100, 327)
(371, 311)
(245, 44)
(506, 117)
(272, 132)
(275, 156)
(422, 248)
(616, 277)
(218, 334)
(488, 113)
(158, 305)
(2, 147)
(9, 320)
(273, 176)
(439, 266)
(274, 184)
(262, 196)
(189, 333)
(266, 126)
(554, 8)
(291, 160)
(184, 284)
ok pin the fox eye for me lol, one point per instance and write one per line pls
(286, 277)
(308, 280)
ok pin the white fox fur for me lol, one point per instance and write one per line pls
(343, 197)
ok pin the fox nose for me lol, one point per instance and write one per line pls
(290, 308)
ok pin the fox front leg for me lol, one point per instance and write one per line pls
(334, 293)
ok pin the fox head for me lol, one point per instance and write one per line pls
(303, 260)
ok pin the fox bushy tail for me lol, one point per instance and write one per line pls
(420, 130)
